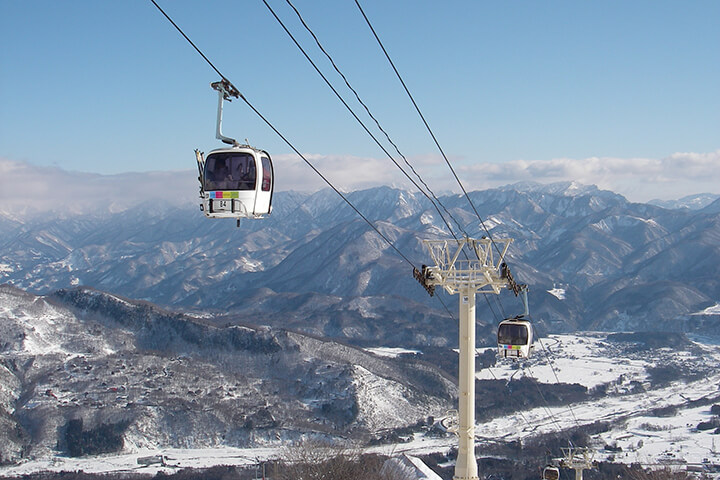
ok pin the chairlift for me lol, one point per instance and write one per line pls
(235, 181)
(551, 472)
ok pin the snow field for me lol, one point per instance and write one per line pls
(575, 359)
(637, 432)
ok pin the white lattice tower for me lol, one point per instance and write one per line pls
(578, 459)
(466, 267)
(468, 264)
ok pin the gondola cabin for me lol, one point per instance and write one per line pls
(551, 473)
(515, 338)
(236, 182)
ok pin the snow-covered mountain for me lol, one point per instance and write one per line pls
(692, 202)
(84, 372)
(256, 333)
(315, 266)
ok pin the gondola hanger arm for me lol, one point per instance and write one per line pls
(225, 90)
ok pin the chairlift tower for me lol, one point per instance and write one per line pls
(578, 459)
(466, 267)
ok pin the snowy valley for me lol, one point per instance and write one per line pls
(633, 398)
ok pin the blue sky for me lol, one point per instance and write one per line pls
(623, 94)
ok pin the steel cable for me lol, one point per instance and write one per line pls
(287, 142)
(354, 115)
(370, 114)
(427, 125)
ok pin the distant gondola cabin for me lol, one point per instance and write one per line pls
(551, 473)
(236, 182)
(515, 338)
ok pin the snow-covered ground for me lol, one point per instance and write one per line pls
(574, 359)
(676, 434)
(559, 293)
(391, 352)
(638, 432)
(174, 459)
(713, 310)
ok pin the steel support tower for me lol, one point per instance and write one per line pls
(578, 459)
(466, 267)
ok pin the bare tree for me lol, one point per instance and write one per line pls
(663, 474)
(312, 460)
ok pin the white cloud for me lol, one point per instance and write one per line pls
(639, 179)
(25, 187)
(345, 172)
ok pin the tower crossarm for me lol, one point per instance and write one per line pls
(578, 458)
(468, 264)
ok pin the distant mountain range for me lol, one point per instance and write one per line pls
(592, 260)
(692, 202)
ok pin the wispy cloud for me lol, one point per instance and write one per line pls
(26, 187)
(345, 172)
(639, 179)
(31, 188)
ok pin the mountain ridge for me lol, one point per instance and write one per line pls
(611, 255)
(82, 365)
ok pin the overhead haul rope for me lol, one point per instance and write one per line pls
(352, 112)
(371, 135)
(427, 126)
(237, 93)
(377, 123)
(547, 405)
(557, 379)
(357, 96)
(342, 100)
(513, 285)
(554, 422)
(367, 110)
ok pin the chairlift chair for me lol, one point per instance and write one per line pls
(515, 338)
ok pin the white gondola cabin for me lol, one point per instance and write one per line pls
(551, 473)
(236, 182)
(515, 338)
